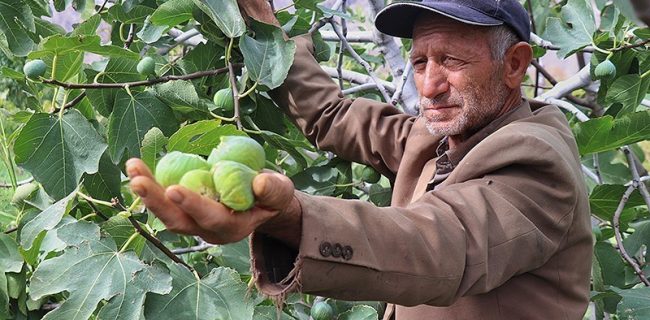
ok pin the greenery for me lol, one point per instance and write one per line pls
(81, 246)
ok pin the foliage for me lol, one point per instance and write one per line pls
(83, 247)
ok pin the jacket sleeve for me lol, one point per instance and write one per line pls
(466, 238)
(360, 130)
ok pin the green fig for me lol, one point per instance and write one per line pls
(34, 69)
(146, 66)
(322, 311)
(22, 193)
(199, 181)
(171, 168)
(605, 69)
(370, 175)
(240, 149)
(233, 182)
(224, 99)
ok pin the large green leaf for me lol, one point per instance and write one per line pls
(219, 295)
(316, 180)
(604, 200)
(181, 96)
(628, 90)
(45, 221)
(173, 12)
(606, 133)
(16, 21)
(290, 146)
(641, 237)
(60, 44)
(92, 269)
(234, 255)
(118, 70)
(10, 259)
(359, 313)
(132, 117)
(201, 137)
(635, 302)
(59, 150)
(105, 184)
(270, 313)
(575, 30)
(268, 56)
(136, 14)
(608, 266)
(4, 298)
(225, 14)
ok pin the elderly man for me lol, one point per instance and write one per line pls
(489, 216)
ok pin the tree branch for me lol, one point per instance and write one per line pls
(636, 179)
(150, 82)
(202, 246)
(20, 183)
(356, 77)
(157, 243)
(619, 238)
(567, 86)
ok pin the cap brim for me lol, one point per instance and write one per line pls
(397, 18)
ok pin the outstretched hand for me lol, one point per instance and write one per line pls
(187, 212)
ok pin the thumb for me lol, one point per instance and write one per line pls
(273, 190)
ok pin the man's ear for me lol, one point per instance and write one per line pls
(515, 63)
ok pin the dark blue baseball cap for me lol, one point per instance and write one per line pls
(397, 18)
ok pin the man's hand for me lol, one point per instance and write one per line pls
(187, 212)
(259, 10)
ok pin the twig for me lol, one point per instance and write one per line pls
(397, 95)
(569, 107)
(590, 174)
(11, 230)
(339, 64)
(619, 238)
(360, 60)
(198, 248)
(157, 243)
(103, 6)
(359, 88)
(356, 77)
(96, 210)
(630, 46)
(235, 93)
(352, 36)
(322, 22)
(554, 82)
(181, 38)
(130, 37)
(20, 183)
(596, 162)
(565, 87)
(190, 76)
(636, 179)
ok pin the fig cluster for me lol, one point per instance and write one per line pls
(227, 175)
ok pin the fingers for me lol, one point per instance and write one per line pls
(273, 190)
(136, 167)
(206, 212)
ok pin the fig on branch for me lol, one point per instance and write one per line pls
(34, 69)
(22, 193)
(370, 175)
(239, 149)
(224, 99)
(233, 182)
(605, 69)
(199, 181)
(146, 66)
(322, 311)
(171, 168)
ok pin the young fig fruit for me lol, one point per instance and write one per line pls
(199, 181)
(171, 168)
(370, 175)
(146, 66)
(322, 311)
(605, 69)
(233, 182)
(239, 149)
(34, 69)
(224, 99)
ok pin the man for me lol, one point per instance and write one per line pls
(489, 216)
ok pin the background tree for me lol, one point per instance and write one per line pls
(77, 244)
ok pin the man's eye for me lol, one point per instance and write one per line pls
(419, 64)
(452, 61)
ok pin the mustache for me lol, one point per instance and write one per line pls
(440, 100)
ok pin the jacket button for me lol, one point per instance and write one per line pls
(347, 253)
(325, 249)
(337, 250)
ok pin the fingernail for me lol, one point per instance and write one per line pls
(137, 188)
(175, 196)
(132, 171)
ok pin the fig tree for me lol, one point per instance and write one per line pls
(233, 182)
(240, 149)
(146, 66)
(22, 193)
(171, 168)
(322, 311)
(199, 181)
(34, 69)
(605, 69)
(224, 99)
(370, 175)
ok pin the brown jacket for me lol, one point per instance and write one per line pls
(505, 236)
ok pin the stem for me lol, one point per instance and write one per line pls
(153, 240)
(599, 49)
(65, 100)
(619, 238)
(88, 216)
(284, 8)
(222, 118)
(7, 159)
(90, 199)
(249, 91)
(128, 242)
(135, 203)
(235, 93)
(195, 75)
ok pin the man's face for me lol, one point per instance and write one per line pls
(461, 87)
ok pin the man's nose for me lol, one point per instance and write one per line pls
(435, 82)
